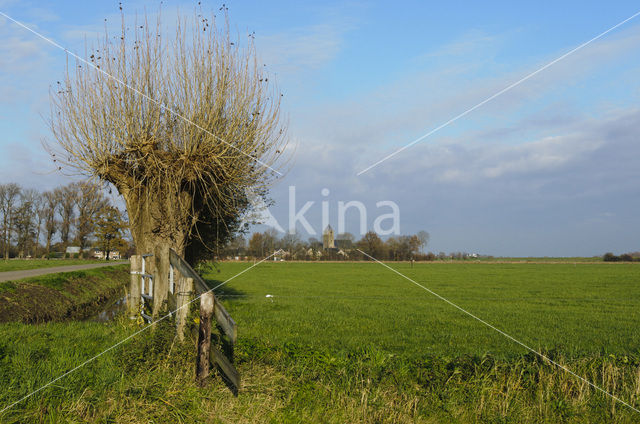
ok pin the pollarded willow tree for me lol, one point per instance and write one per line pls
(181, 127)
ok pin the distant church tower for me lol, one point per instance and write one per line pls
(328, 241)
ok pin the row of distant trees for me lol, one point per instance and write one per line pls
(625, 257)
(34, 224)
(399, 248)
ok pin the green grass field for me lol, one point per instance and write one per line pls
(22, 264)
(581, 309)
(354, 342)
(545, 259)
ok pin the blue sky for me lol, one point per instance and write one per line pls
(549, 168)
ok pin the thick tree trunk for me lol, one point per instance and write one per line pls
(157, 225)
(161, 280)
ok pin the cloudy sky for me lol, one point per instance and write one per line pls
(551, 167)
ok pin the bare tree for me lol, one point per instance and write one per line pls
(40, 215)
(110, 228)
(196, 124)
(9, 195)
(393, 247)
(291, 242)
(371, 244)
(423, 237)
(346, 236)
(256, 245)
(89, 203)
(66, 208)
(237, 245)
(51, 202)
(25, 222)
(269, 239)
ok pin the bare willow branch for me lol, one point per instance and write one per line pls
(180, 128)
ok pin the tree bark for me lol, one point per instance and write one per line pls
(157, 224)
(161, 278)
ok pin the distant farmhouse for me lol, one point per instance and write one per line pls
(280, 255)
(99, 254)
(74, 251)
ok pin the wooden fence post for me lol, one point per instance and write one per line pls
(133, 303)
(204, 337)
(184, 291)
(209, 306)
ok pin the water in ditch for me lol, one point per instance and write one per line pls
(111, 310)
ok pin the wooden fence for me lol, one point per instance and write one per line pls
(141, 287)
(184, 282)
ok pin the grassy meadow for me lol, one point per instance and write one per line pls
(354, 342)
(580, 309)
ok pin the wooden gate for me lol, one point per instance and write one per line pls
(184, 282)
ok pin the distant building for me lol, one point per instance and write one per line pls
(314, 253)
(280, 254)
(328, 240)
(99, 254)
(344, 244)
(73, 250)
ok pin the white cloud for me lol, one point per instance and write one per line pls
(417, 101)
(465, 161)
(301, 49)
(20, 51)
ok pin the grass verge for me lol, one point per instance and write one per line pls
(151, 379)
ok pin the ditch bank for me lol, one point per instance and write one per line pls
(63, 296)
